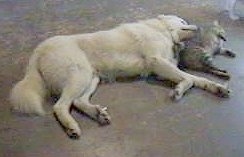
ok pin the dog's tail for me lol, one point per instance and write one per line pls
(28, 95)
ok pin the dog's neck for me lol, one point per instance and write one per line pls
(161, 26)
(155, 24)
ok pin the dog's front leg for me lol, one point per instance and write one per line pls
(165, 69)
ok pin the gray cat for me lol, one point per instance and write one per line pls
(198, 53)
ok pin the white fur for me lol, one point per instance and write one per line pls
(73, 66)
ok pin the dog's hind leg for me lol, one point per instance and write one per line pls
(164, 68)
(77, 83)
(96, 112)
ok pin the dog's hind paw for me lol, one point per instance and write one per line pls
(73, 134)
(70, 128)
(103, 117)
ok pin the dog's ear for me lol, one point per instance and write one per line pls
(163, 18)
(216, 23)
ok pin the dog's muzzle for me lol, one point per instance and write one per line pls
(189, 28)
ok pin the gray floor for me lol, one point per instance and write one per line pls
(145, 122)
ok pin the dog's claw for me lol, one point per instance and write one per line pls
(103, 117)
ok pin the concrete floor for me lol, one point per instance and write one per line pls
(145, 122)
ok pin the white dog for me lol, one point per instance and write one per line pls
(72, 66)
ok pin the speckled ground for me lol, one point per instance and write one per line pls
(145, 122)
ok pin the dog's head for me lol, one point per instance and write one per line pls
(219, 31)
(178, 27)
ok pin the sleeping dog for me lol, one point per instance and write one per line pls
(73, 66)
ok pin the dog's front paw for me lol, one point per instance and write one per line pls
(176, 95)
(223, 92)
(103, 117)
